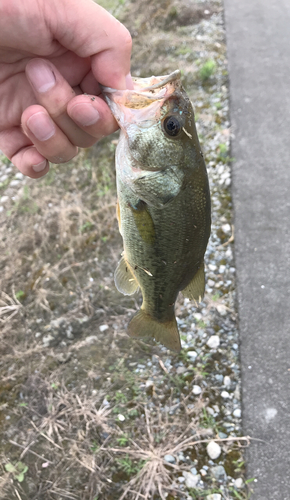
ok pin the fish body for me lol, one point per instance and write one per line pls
(163, 205)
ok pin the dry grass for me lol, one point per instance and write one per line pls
(78, 434)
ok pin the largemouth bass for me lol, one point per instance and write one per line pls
(163, 204)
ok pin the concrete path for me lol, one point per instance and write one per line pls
(258, 39)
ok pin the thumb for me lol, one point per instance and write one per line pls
(87, 29)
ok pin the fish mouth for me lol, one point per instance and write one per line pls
(146, 84)
(142, 105)
(156, 82)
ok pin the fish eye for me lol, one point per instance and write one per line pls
(172, 126)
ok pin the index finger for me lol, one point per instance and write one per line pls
(96, 34)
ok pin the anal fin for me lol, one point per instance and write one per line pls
(142, 325)
(195, 289)
(124, 279)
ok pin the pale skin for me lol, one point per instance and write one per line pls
(51, 54)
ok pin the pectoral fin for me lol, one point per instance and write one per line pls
(195, 289)
(124, 279)
(142, 325)
(144, 222)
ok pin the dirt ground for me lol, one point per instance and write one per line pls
(86, 412)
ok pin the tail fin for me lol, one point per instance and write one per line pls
(143, 325)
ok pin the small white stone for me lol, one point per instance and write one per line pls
(180, 370)
(215, 496)
(226, 228)
(222, 269)
(237, 413)
(238, 482)
(3, 199)
(91, 339)
(227, 381)
(196, 389)
(121, 417)
(212, 267)
(69, 333)
(1, 209)
(47, 339)
(211, 283)
(191, 480)
(213, 450)
(192, 354)
(198, 316)
(169, 458)
(221, 308)
(14, 183)
(213, 342)
(149, 383)
(19, 176)
(103, 328)
(225, 395)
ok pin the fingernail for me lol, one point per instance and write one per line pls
(41, 126)
(129, 82)
(85, 114)
(40, 166)
(40, 75)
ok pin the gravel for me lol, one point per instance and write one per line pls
(213, 450)
(209, 333)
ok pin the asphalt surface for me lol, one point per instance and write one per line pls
(258, 40)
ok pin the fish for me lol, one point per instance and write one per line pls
(163, 207)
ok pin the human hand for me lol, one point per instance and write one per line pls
(51, 53)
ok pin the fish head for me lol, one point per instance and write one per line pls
(157, 122)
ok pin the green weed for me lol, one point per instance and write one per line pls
(197, 494)
(207, 70)
(207, 421)
(4, 159)
(133, 413)
(120, 398)
(236, 494)
(122, 440)
(129, 466)
(18, 470)
(20, 295)
(94, 447)
(183, 51)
